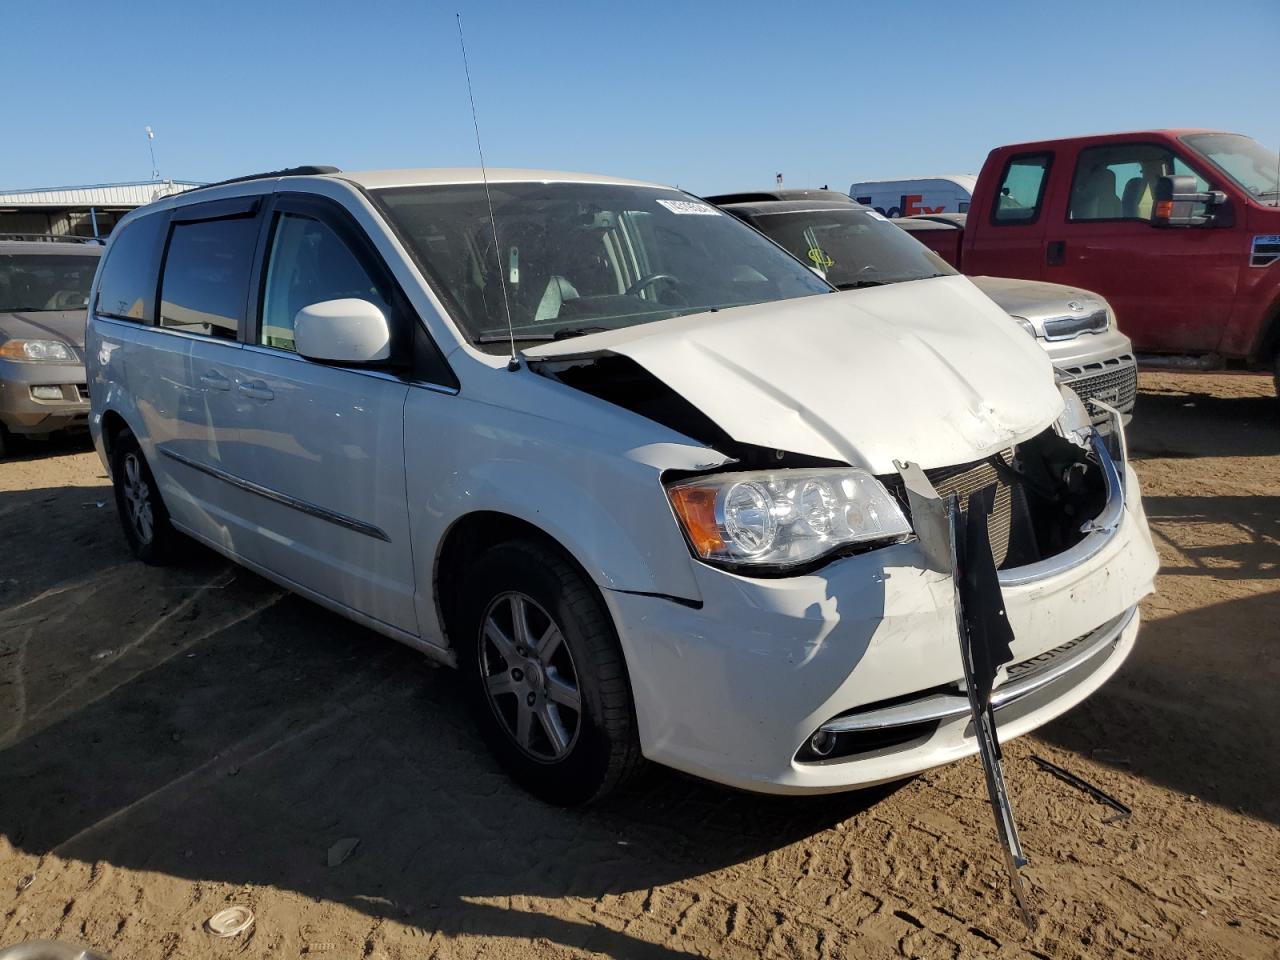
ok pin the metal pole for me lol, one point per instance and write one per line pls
(93, 216)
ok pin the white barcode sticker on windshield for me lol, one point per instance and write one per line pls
(690, 207)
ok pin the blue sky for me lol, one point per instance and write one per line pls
(712, 96)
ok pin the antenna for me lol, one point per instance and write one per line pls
(151, 145)
(514, 362)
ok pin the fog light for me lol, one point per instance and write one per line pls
(47, 393)
(822, 743)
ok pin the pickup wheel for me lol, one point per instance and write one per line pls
(143, 516)
(6, 441)
(545, 675)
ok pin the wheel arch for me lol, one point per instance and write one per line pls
(113, 424)
(471, 535)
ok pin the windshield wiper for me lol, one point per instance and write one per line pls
(859, 284)
(568, 332)
(507, 338)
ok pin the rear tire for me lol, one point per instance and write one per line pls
(545, 675)
(6, 441)
(143, 516)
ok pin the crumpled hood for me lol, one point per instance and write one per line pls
(930, 371)
(65, 325)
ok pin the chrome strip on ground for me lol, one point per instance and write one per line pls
(1029, 677)
(302, 506)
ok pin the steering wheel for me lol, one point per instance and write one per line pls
(647, 281)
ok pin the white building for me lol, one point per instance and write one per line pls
(89, 211)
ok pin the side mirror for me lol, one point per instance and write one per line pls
(1179, 204)
(347, 331)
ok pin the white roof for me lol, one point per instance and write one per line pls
(421, 176)
(95, 195)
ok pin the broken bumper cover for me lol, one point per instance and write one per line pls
(733, 691)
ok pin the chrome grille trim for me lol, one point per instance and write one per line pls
(1024, 678)
(1065, 328)
(1113, 381)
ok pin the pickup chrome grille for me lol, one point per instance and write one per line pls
(970, 478)
(1113, 381)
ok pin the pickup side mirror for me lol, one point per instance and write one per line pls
(347, 331)
(1179, 204)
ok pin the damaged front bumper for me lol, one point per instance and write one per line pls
(865, 650)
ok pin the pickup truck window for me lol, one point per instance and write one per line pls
(1118, 182)
(1253, 167)
(1022, 189)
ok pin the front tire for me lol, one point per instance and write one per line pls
(143, 516)
(545, 675)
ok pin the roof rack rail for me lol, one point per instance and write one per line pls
(52, 238)
(312, 170)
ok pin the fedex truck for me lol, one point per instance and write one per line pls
(906, 198)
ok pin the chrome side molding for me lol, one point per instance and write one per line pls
(302, 506)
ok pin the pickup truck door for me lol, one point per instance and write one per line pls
(319, 448)
(1171, 288)
(1009, 240)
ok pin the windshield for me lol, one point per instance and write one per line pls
(580, 257)
(853, 248)
(31, 282)
(1253, 167)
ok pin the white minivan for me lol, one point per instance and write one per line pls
(631, 467)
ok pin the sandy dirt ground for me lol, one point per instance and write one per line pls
(175, 741)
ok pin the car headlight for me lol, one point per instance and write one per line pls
(1026, 325)
(37, 350)
(783, 518)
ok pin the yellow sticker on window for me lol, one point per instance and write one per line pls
(820, 258)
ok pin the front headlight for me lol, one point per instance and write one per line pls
(1026, 326)
(783, 518)
(37, 350)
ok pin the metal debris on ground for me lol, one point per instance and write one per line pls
(229, 922)
(342, 850)
(1066, 776)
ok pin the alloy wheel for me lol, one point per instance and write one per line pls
(529, 677)
(137, 498)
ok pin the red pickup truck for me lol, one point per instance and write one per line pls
(1178, 229)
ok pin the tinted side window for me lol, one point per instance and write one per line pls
(1119, 182)
(1022, 189)
(206, 276)
(127, 290)
(308, 264)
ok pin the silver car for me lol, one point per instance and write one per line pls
(852, 246)
(43, 289)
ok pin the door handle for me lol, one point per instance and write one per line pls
(1055, 253)
(215, 380)
(256, 390)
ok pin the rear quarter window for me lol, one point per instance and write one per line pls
(127, 289)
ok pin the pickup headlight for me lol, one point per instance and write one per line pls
(54, 350)
(783, 518)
